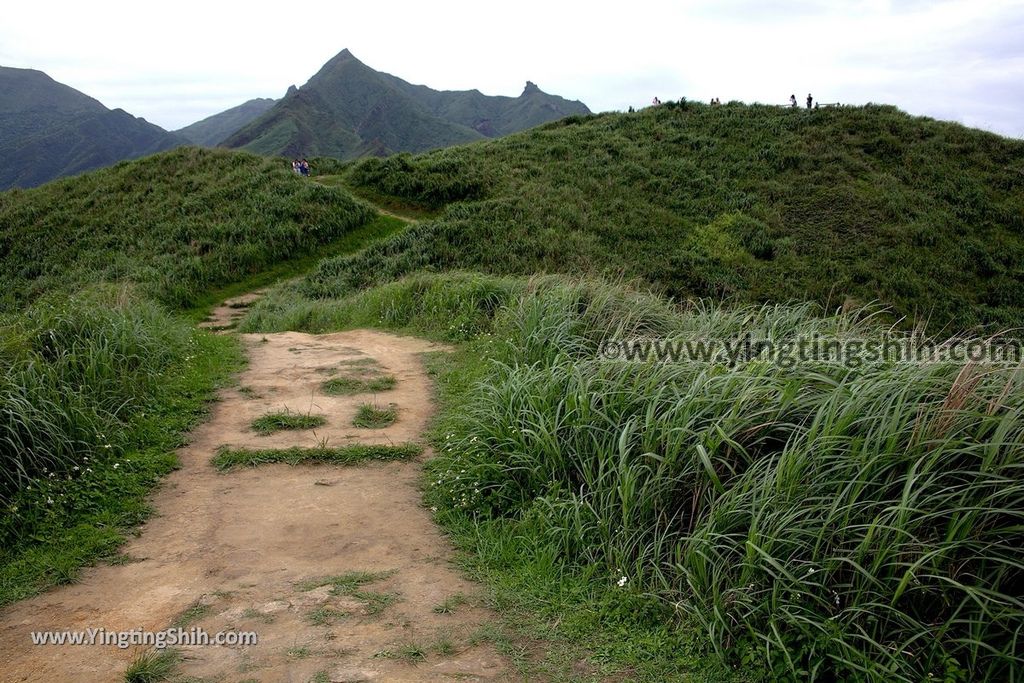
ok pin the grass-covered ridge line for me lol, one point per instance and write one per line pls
(838, 206)
(233, 458)
(96, 393)
(817, 522)
(177, 223)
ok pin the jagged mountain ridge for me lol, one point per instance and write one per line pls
(348, 110)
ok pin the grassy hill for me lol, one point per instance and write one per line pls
(100, 376)
(177, 223)
(677, 521)
(49, 130)
(213, 130)
(753, 203)
(349, 110)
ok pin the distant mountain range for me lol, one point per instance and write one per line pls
(213, 130)
(48, 130)
(348, 110)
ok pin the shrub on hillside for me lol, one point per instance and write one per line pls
(433, 181)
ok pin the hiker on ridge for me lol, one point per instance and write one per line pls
(810, 100)
(792, 101)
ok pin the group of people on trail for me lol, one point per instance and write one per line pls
(792, 101)
(300, 166)
(715, 102)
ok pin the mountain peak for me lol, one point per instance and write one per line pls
(347, 109)
(343, 56)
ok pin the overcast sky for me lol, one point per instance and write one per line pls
(961, 60)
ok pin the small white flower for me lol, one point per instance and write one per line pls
(433, 508)
(622, 581)
(50, 501)
(116, 465)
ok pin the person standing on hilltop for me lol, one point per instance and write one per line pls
(792, 101)
(810, 100)
(304, 167)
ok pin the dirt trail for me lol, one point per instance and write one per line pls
(233, 550)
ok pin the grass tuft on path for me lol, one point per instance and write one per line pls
(369, 416)
(234, 458)
(285, 420)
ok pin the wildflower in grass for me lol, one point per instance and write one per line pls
(622, 581)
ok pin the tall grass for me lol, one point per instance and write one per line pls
(825, 522)
(751, 202)
(75, 370)
(177, 224)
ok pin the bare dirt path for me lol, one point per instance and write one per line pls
(278, 550)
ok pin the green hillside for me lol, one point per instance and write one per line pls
(348, 110)
(100, 374)
(213, 130)
(176, 223)
(49, 130)
(634, 520)
(752, 203)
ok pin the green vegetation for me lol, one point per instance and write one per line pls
(275, 422)
(351, 584)
(369, 416)
(95, 394)
(234, 458)
(99, 382)
(752, 203)
(822, 521)
(48, 130)
(377, 229)
(657, 521)
(357, 376)
(325, 616)
(348, 385)
(347, 110)
(178, 223)
(193, 613)
(343, 584)
(451, 604)
(375, 602)
(409, 652)
(152, 666)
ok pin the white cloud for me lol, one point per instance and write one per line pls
(958, 59)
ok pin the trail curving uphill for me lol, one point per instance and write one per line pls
(339, 569)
